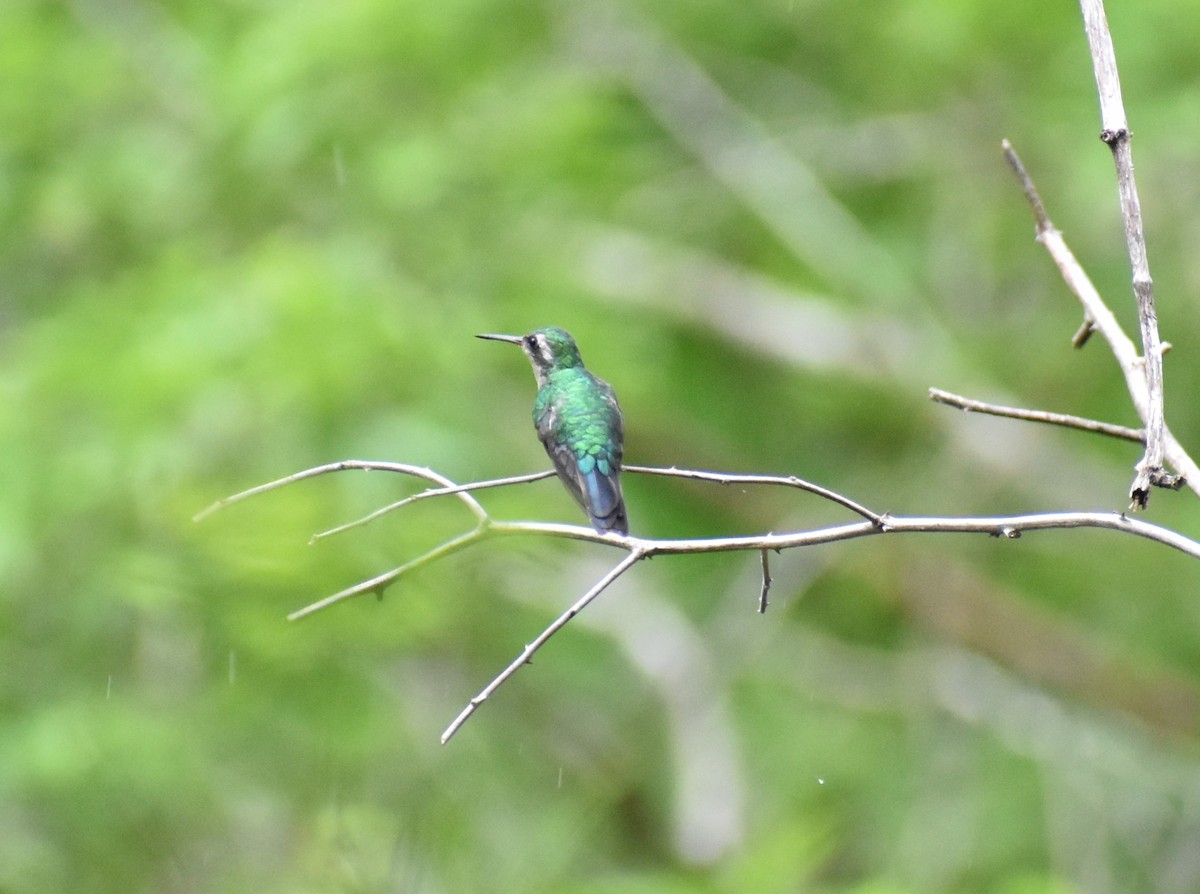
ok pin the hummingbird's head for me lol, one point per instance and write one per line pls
(548, 349)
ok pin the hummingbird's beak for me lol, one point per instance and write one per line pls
(511, 339)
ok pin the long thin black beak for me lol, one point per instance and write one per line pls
(511, 339)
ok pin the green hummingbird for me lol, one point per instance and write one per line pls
(579, 423)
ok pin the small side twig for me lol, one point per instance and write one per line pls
(1079, 422)
(1083, 333)
(766, 583)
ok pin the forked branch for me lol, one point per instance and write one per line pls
(1098, 317)
(1144, 372)
(638, 548)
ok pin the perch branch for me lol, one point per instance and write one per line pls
(1004, 527)
(724, 478)
(637, 548)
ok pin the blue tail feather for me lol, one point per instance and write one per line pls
(603, 502)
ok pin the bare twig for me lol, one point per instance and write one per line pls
(1092, 425)
(527, 653)
(342, 466)
(431, 492)
(766, 583)
(1040, 217)
(1115, 132)
(380, 582)
(1099, 317)
(783, 480)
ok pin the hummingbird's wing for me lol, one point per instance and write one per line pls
(607, 506)
(587, 456)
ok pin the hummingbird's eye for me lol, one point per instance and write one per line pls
(537, 346)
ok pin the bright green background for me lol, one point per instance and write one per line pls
(238, 239)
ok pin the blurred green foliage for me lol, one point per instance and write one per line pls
(244, 238)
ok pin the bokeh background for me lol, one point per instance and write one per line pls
(243, 238)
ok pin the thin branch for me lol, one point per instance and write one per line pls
(1115, 132)
(527, 653)
(381, 582)
(766, 583)
(1040, 218)
(433, 492)
(783, 480)
(1100, 318)
(1092, 425)
(342, 466)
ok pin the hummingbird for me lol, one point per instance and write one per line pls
(579, 423)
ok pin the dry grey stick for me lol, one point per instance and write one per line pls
(1063, 419)
(1115, 132)
(1098, 316)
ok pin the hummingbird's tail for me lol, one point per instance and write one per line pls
(602, 501)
